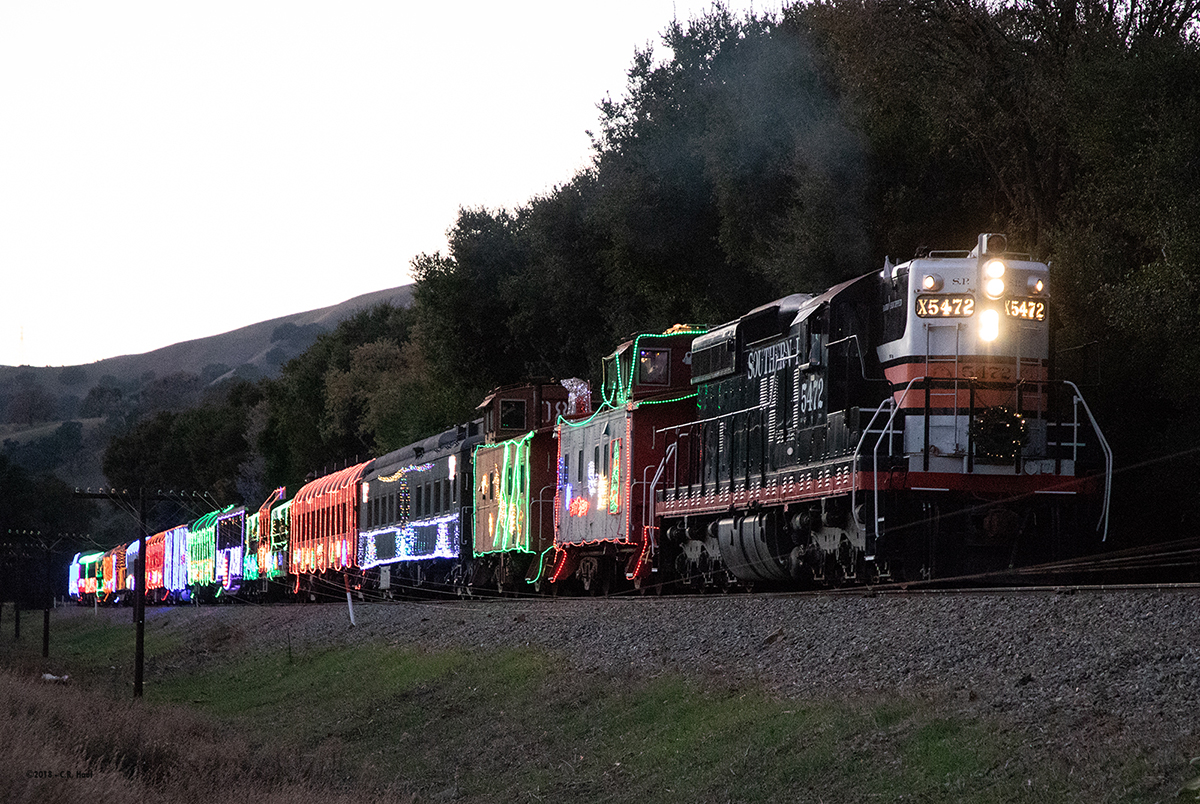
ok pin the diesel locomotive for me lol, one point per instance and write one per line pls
(902, 425)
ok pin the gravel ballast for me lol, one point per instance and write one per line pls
(1072, 675)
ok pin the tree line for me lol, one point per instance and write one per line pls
(749, 157)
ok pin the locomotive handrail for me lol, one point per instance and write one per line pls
(694, 422)
(887, 428)
(862, 361)
(648, 498)
(858, 448)
(1108, 459)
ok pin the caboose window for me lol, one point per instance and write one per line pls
(654, 366)
(610, 376)
(512, 414)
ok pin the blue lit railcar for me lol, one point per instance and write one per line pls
(229, 565)
(167, 565)
(609, 463)
(415, 513)
(515, 480)
(75, 578)
(131, 557)
(902, 424)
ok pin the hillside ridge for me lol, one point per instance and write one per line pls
(254, 345)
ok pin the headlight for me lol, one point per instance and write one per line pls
(994, 269)
(994, 288)
(989, 325)
(931, 282)
(1036, 285)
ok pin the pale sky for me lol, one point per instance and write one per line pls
(173, 170)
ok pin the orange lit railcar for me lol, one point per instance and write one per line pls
(324, 527)
(113, 575)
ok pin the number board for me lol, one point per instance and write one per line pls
(955, 305)
(1025, 308)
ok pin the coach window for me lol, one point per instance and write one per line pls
(416, 508)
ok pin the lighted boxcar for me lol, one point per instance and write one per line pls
(202, 555)
(265, 559)
(167, 565)
(111, 581)
(131, 557)
(83, 576)
(230, 547)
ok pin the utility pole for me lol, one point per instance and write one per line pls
(47, 545)
(138, 500)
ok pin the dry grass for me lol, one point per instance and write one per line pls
(60, 744)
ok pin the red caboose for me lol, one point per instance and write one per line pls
(609, 463)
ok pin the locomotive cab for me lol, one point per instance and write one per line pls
(969, 333)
